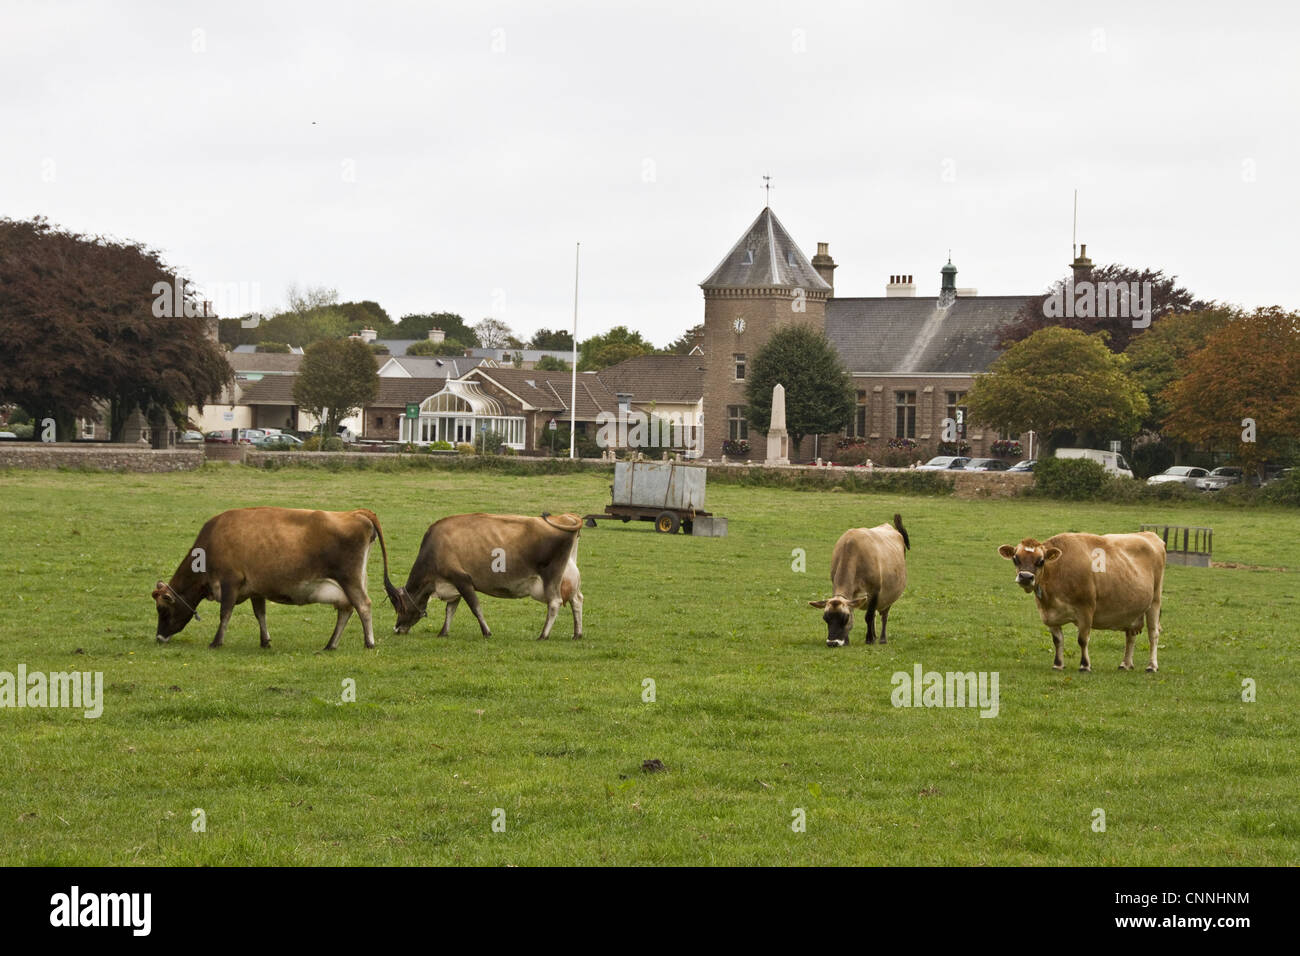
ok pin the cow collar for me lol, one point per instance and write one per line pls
(176, 594)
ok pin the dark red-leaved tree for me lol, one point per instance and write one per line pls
(79, 327)
(1167, 296)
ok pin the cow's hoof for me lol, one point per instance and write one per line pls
(266, 643)
(1058, 667)
(215, 645)
(543, 637)
(883, 641)
(1126, 667)
(330, 647)
(370, 646)
(1151, 669)
(1085, 669)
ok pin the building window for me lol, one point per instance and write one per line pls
(740, 366)
(857, 427)
(379, 422)
(905, 414)
(956, 404)
(737, 424)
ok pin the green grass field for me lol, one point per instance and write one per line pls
(754, 716)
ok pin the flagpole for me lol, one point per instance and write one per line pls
(573, 387)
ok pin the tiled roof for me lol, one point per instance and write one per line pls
(913, 335)
(430, 366)
(549, 391)
(657, 378)
(270, 363)
(393, 392)
(766, 257)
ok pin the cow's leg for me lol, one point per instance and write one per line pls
(360, 600)
(870, 616)
(467, 592)
(1130, 638)
(259, 611)
(1084, 630)
(884, 622)
(228, 591)
(576, 601)
(345, 615)
(446, 620)
(1153, 633)
(1058, 640)
(552, 609)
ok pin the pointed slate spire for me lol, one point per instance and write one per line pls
(764, 258)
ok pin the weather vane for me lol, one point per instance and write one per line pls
(767, 189)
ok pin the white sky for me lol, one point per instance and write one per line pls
(892, 131)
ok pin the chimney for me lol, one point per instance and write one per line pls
(369, 335)
(437, 335)
(900, 286)
(1082, 265)
(824, 264)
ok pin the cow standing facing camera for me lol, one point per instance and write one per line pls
(1110, 582)
(868, 567)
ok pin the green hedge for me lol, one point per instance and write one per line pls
(1081, 479)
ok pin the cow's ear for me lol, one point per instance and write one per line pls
(817, 604)
(1051, 554)
(1007, 551)
(857, 602)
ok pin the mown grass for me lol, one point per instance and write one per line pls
(754, 716)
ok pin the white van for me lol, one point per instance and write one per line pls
(1112, 461)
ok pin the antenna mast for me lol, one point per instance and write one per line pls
(1074, 232)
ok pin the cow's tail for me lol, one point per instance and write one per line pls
(383, 548)
(898, 526)
(566, 522)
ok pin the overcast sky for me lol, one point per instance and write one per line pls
(447, 156)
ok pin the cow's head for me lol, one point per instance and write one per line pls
(408, 612)
(173, 613)
(1029, 556)
(838, 614)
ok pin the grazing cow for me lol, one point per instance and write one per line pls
(285, 555)
(507, 556)
(868, 567)
(1111, 582)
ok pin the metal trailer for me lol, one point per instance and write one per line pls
(666, 492)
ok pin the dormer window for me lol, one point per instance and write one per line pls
(749, 258)
(789, 257)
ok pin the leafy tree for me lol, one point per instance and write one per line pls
(302, 300)
(1248, 369)
(337, 377)
(445, 347)
(819, 394)
(84, 320)
(1059, 380)
(417, 326)
(549, 363)
(281, 347)
(1154, 355)
(1167, 297)
(368, 315)
(683, 344)
(617, 345)
(492, 334)
(551, 341)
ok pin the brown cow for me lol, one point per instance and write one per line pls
(1111, 582)
(507, 556)
(868, 566)
(285, 555)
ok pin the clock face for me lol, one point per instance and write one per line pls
(738, 325)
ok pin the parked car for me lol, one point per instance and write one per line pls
(1179, 474)
(228, 436)
(1278, 474)
(1112, 461)
(943, 463)
(1024, 466)
(8, 436)
(190, 438)
(1221, 478)
(985, 464)
(280, 441)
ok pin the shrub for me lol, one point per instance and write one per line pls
(439, 446)
(736, 447)
(953, 448)
(490, 442)
(1074, 479)
(316, 443)
(23, 430)
(464, 448)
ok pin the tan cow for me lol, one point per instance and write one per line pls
(506, 556)
(285, 555)
(1110, 582)
(868, 566)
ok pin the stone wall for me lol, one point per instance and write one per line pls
(98, 457)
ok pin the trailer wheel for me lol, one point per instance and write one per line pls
(667, 522)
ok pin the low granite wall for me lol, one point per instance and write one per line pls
(97, 457)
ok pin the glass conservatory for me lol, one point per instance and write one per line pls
(462, 412)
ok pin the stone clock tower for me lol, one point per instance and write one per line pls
(765, 282)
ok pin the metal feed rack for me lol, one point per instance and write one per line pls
(668, 493)
(1185, 545)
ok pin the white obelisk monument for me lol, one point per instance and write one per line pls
(778, 442)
